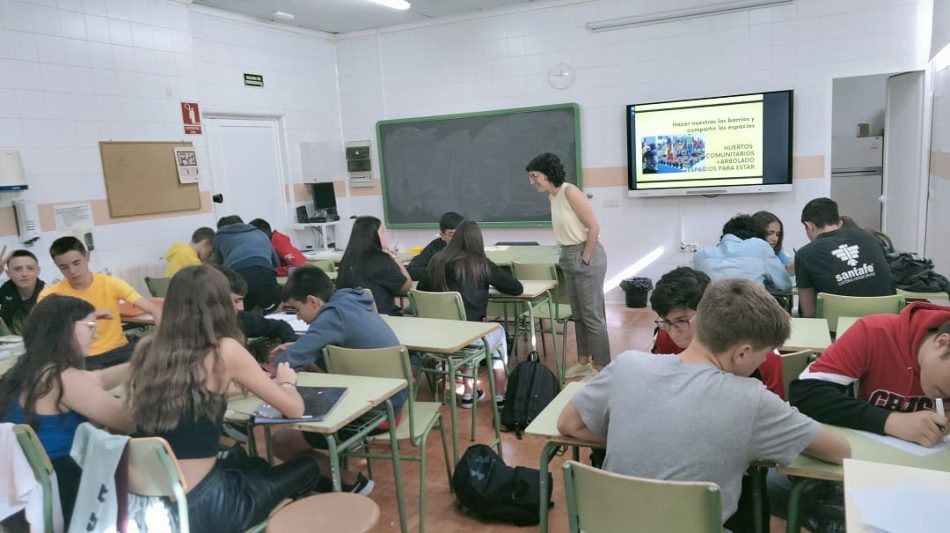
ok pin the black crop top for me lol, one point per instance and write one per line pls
(195, 439)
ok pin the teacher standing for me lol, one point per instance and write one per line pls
(582, 260)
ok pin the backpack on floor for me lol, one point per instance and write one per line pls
(494, 491)
(531, 387)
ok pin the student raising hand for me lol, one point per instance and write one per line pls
(926, 428)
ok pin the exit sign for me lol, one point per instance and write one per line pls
(253, 80)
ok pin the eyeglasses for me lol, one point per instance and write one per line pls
(673, 325)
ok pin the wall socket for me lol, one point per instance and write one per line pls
(611, 202)
(688, 247)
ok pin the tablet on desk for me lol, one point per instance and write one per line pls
(318, 404)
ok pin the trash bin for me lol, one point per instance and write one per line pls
(636, 291)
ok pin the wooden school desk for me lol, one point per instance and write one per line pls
(545, 426)
(808, 470)
(845, 322)
(506, 255)
(808, 334)
(362, 395)
(444, 339)
(536, 292)
(865, 475)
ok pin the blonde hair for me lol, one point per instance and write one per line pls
(169, 376)
(735, 311)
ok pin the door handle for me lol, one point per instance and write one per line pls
(217, 198)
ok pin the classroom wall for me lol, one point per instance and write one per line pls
(73, 73)
(938, 223)
(500, 59)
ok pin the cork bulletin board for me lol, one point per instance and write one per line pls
(142, 179)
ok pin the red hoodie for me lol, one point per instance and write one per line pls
(880, 353)
(770, 371)
(289, 255)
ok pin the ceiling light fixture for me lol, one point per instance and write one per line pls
(681, 14)
(401, 5)
(283, 15)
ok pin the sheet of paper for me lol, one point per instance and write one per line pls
(906, 507)
(908, 447)
(72, 216)
(299, 325)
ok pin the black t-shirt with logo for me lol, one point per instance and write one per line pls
(13, 309)
(849, 262)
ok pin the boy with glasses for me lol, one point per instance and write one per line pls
(675, 299)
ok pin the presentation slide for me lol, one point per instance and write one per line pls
(699, 143)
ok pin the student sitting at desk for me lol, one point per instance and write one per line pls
(697, 416)
(675, 300)
(775, 235)
(180, 378)
(109, 347)
(18, 295)
(199, 250)
(850, 262)
(48, 389)
(743, 253)
(368, 263)
(447, 224)
(901, 364)
(462, 266)
(287, 254)
(245, 250)
(252, 324)
(341, 317)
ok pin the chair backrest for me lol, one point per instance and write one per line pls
(4, 329)
(154, 471)
(392, 362)
(157, 286)
(444, 305)
(599, 501)
(41, 465)
(831, 306)
(792, 366)
(326, 265)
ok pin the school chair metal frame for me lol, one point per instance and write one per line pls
(422, 417)
(563, 313)
(831, 306)
(792, 366)
(42, 468)
(604, 502)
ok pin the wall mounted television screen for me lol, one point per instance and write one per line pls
(707, 146)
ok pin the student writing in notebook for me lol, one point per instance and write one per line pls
(252, 324)
(369, 263)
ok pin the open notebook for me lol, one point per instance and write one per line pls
(318, 403)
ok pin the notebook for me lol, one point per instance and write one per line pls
(318, 403)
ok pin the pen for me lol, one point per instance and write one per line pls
(940, 410)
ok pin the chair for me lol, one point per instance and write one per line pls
(333, 511)
(422, 417)
(326, 265)
(157, 286)
(603, 502)
(562, 311)
(831, 306)
(792, 366)
(42, 468)
(154, 472)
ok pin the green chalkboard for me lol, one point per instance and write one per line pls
(473, 164)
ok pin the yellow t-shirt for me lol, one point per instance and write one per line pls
(179, 256)
(104, 293)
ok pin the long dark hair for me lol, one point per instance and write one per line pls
(363, 253)
(51, 348)
(169, 377)
(765, 218)
(464, 257)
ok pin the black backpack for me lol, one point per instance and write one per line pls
(494, 491)
(531, 387)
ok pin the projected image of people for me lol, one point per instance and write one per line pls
(673, 153)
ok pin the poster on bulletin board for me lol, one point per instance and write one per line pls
(187, 164)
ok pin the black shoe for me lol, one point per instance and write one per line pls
(467, 402)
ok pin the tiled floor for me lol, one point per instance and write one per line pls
(629, 329)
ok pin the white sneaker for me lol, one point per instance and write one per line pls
(579, 371)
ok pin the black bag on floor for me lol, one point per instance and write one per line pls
(531, 387)
(494, 491)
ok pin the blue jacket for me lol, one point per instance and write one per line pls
(238, 246)
(751, 259)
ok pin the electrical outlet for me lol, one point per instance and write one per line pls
(688, 247)
(611, 202)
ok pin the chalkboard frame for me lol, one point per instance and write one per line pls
(574, 107)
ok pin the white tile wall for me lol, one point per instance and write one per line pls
(498, 61)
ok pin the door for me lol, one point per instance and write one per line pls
(903, 160)
(858, 195)
(247, 169)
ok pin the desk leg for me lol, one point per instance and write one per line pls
(397, 470)
(758, 473)
(453, 412)
(334, 454)
(268, 445)
(546, 453)
(534, 341)
(557, 355)
(495, 416)
(794, 501)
